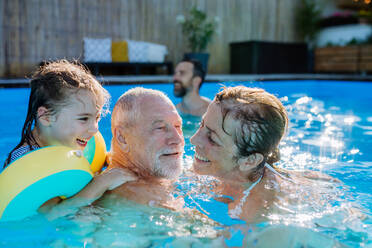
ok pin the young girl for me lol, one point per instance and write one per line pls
(64, 108)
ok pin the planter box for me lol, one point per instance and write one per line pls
(343, 59)
(262, 57)
(336, 59)
(366, 58)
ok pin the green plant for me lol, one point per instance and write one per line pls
(369, 40)
(197, 29)
(354, 42)
(365, 16)
(365, 13)
(307, 20)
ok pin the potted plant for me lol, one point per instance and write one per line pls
(199, 32)
(307, 25)
(307, 20)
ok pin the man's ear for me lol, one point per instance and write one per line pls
(250, 162)
(43, 116)
(196, 81)
(120, 137)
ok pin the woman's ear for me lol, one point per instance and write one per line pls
(120, 137)
(250, 162)
(43, 116)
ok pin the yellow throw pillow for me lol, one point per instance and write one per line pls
(119, 51)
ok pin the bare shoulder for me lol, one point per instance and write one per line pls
(141, 192)
(180, 108)
(204, 106)
(178, 105)
(314, 175)
(205, 100)
(130, 191)
(150, 193)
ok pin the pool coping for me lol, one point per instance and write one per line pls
(149, 79)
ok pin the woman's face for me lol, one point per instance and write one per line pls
(215, 150)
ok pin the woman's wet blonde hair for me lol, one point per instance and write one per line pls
(263, 121)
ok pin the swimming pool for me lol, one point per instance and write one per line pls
(330, 131)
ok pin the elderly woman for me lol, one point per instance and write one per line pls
(237, 143)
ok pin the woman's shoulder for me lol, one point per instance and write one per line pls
(314, 175)
(300, 175)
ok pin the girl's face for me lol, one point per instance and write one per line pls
(73, 125)
(215, 150)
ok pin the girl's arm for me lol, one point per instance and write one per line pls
(108, 180)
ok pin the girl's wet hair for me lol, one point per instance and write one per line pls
(263, 121)
(52, 86)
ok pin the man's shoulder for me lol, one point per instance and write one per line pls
(206, 100)
(178, 105)
(144, 192)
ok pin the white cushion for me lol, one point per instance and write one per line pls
(97, 50)
(138, 51)
(156, 52)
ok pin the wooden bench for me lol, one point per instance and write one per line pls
(131, 68)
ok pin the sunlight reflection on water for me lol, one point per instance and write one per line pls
(324, 135)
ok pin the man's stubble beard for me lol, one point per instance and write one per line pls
(180, 92)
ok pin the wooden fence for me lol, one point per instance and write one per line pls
(35, 30)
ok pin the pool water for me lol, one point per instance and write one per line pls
(330, 131)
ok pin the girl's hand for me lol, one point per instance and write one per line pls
(115, 177)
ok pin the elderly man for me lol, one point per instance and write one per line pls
(188, 78)
(148, 143)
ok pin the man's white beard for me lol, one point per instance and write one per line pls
(164, 171)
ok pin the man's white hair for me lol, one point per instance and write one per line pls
(128, 107)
